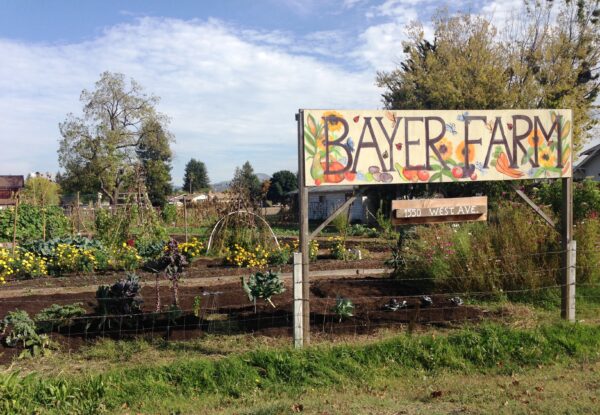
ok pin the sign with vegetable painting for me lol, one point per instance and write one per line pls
(380, 147)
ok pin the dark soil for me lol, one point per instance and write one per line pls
(226, 309)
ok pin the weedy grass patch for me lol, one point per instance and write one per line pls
(285, 372)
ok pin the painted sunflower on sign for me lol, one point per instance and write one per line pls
(331, 125)
(461, 153)
(535, 139)
(547, 159)
(444, 146)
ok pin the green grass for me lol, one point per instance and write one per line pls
(279, 375)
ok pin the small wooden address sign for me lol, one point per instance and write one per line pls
(419, 211)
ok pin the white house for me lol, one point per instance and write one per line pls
(590, 166)
(323, 201)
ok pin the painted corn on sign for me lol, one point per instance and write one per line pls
(379, 147)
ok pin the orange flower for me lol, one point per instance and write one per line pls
(333, 126)
(444, 146)
(460, 152)
(535, 138)
(547, 159)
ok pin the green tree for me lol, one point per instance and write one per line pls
(539, 62)
(196, 176)
(282, 183)
(41, 191)
(246, 182)
(155, 155)
(99, 150)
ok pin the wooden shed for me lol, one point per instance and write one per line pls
(9, 187)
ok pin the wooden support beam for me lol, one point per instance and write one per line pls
(339, 210)
(16, 220)
(535, 207)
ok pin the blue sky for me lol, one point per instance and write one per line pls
(230, 74)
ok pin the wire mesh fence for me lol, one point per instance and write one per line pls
(341, 306)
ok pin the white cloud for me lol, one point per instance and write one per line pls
(231, 92)
(231, 95)
(381, 43)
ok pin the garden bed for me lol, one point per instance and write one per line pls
(201, 268)
(225, 308)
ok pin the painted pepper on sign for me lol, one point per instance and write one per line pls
(380, 147)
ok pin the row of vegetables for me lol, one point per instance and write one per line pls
(82, 255)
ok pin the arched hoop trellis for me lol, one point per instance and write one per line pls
(221, 221)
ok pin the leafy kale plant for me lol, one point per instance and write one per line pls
(263, 285)
(343, 308)
(18, 328)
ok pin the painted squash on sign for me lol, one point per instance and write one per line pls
(381, 147)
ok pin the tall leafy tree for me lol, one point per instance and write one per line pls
(196, 176)
(539, 61)
(100, 150)
(282, 182)
(246, 181)
(155, 155)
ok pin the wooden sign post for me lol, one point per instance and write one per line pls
(382, 147)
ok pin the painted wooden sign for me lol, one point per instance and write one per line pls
(382, 147)
(418, 211)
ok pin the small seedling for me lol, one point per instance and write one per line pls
(395, 305)
(456, 301)
(343, 308)
(197, 306)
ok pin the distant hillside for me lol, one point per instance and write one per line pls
(220, 186)
(224, 185)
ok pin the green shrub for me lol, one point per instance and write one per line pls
(339, 251)
(516, 250)
(359, 229)
(112, 229)
(126, 257)
(169, 214)
(47, 248)
(341, 223)
(385, 224)
(30, 223)
(587, 235)
(281, 256)
(586, 197)
(150, 249)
